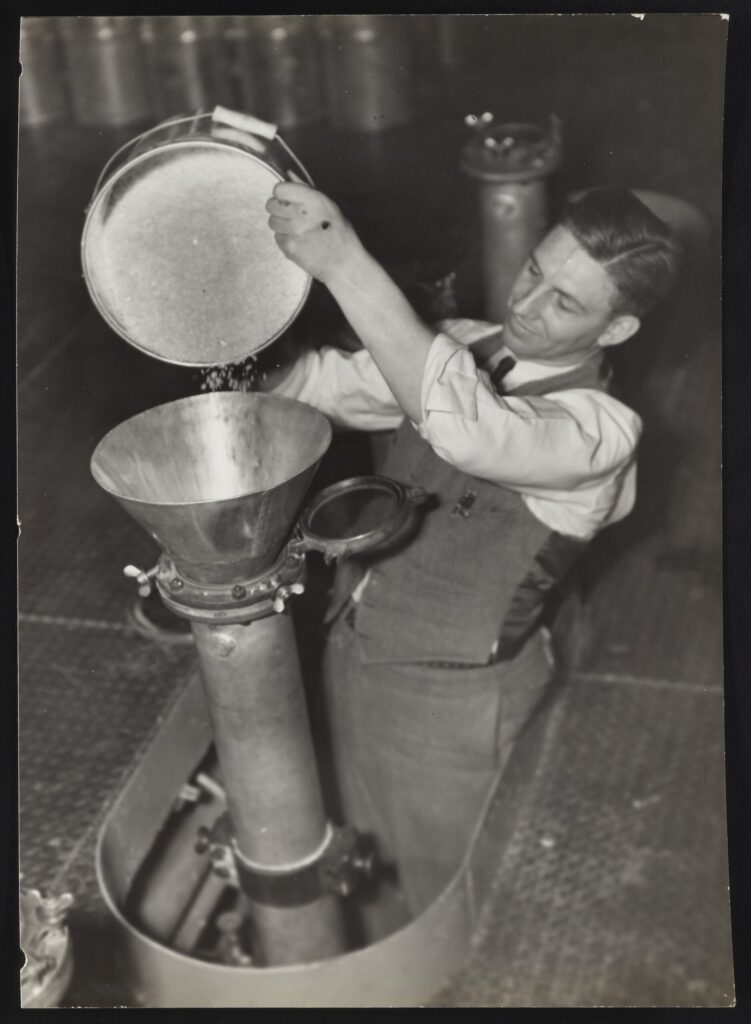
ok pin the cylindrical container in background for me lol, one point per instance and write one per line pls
(448, 41)
(43, 94)
(369, 70)
(278, 68)
(511, 164)
(106, 70)
(239, 63)
(186, 63)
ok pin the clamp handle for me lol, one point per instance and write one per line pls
(283, 594)
(142, 578)
(244, 122)
(479, 121)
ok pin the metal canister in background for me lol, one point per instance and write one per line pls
(43, 93)
(106, 70)
(186, 63)
(448, 39)
(511, 164)
(277, 64)
(239, 64)
(368, 70)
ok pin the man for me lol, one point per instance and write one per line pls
(436, 659)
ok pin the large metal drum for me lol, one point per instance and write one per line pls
(368, 70)
(106, 70)
(176, 249)
(277, 60)
(43, 96)
(186, 63)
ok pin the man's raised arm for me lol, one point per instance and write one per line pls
(311, 230)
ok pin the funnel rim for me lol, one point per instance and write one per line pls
(320, 449)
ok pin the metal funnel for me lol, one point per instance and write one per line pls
(216, 479)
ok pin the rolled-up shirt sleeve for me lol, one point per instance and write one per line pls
(346, 386)
(534, 445)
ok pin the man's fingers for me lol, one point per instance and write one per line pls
(280, 209)
(285, 226)
(292, 191)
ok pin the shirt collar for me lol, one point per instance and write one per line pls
(466, 331)
(527, 370)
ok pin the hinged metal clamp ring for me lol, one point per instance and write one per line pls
(233, 602)
(347, 860)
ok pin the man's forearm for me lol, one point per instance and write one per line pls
(310, 229)
(386, 324)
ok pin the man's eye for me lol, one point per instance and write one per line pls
(533, 269)
(565, 306)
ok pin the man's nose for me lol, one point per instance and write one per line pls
(530, 302)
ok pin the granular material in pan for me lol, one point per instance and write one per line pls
(185, 262)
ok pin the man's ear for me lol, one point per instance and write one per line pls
(619, 330)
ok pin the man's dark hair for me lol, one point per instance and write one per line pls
(635, 247)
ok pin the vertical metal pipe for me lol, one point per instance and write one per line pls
(198, 914)
(254, 691)
(169, 881)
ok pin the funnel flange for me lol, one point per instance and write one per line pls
(235, 602)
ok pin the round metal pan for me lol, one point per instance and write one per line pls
(176, 251)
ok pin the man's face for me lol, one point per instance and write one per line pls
(560, 304)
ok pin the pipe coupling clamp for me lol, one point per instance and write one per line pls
(347, 861)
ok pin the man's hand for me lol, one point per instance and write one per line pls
(310, 229)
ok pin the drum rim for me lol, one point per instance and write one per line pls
(105, 187)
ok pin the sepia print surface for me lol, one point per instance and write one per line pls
(370, 616)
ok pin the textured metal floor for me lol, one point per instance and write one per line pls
(612, 889)
(611, 885)
(74, 760)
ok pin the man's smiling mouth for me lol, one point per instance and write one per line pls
(517, 323)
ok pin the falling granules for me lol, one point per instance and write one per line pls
(242, 376)
(182, 257)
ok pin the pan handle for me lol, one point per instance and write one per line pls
(244, 122)
(255, 126)
(232, 118)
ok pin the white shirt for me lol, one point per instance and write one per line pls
(570, 455)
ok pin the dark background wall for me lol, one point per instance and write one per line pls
(640, 102)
